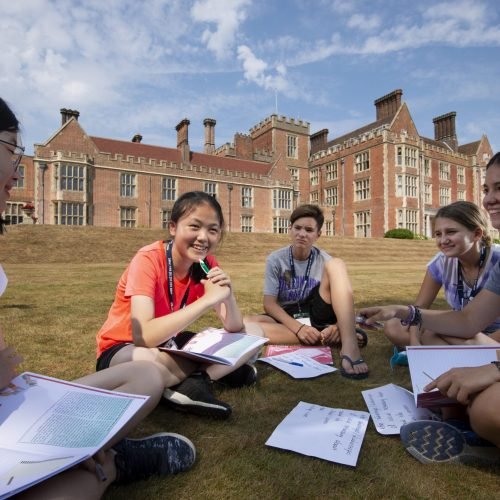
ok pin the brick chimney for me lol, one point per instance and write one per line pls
(182, 139)
(319, 140)
(209, 124)
(388, 105)
(444, 130)
(137, 138)
(66, 114)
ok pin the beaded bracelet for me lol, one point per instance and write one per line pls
(414, 317)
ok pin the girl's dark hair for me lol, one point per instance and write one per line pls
(308, 211)
(469, 215)
(8, 123)
(495, 160)
(187, 202)
(8, 120)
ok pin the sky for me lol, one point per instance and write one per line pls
(131, 66)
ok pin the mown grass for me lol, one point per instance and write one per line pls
(62, 282)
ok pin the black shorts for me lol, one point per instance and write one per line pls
(321, 314)
(104, 360)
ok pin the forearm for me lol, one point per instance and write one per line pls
(153, 332)
(276, 312)
(230, 315)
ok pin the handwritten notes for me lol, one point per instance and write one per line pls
(318, 431)
(391, 406)
(298, 365)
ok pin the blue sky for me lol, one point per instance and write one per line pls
(134, 66)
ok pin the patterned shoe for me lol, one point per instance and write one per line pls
(194, 395)
(437, 442)
(160, 454)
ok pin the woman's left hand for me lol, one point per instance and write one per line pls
(218, 276)
(330, 335)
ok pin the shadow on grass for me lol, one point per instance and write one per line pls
(17, 306)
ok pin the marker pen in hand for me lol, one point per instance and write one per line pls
(204, 267)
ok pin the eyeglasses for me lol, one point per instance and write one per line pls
(17, 153)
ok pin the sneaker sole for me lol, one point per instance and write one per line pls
(185, 404)
(180, 437)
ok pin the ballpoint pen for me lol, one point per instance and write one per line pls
(294, 363)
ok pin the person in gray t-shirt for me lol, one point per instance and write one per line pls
(308, 295)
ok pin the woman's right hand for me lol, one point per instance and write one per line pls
(215, 292)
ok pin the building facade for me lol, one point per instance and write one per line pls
(379, 177)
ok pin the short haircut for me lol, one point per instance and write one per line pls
(495, 160)
(308, 211)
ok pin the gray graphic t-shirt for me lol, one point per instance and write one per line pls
(279, 281)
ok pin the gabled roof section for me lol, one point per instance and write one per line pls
(437, 144)
(470, 148)
(59, 130)
(126, 148)
(160, 153)
(233, 164)
(402, 119)
(383, 123)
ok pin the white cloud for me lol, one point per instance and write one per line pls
(227, 15)
(364, 22)
(256, 70)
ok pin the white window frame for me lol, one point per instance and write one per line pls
(314, 176)
(69, 213)
(460, 175)
(332, 171)
(444, 171)
(362, 161)
(362, 189)
(128, 217)
(19, 182)
(444, 195)
(294, 173)
(282, 199)
(168, 188)
(332, 196)
(292, 146)
(314, 197)
(211, 188)
(362, 224)
(246, 197)
(166, 215)
(281, 225)
(246, 223)
(428, 193)
(14, 213)
(128, 186)
(461, 195)
(71, 177)
(427, 167)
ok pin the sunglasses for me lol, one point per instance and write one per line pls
(17, 153)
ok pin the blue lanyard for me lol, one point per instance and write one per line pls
(308, 270)
(460, 280)
(170, 279)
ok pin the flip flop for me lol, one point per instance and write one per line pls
(353, 376)
(433, 442)
(364, 337)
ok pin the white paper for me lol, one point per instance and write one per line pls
(426, 363)
(391, 406)
(318, 431)
(48, 425)
(298, 365)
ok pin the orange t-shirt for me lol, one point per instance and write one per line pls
(145, 275)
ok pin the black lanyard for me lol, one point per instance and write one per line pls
(460, 280)
(170, 279)
(308, 271)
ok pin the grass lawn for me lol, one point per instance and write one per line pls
(62, 282)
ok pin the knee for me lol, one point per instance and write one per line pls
(152, 373)
(253, 328)
(392, 329)
(484, 414)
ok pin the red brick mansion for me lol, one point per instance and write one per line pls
(381, 176)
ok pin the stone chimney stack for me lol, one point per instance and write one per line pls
(388, 105)
(66, 114)
(209, 124)
(319, 140)
(137, 138)
(444, 130)
(182, 139)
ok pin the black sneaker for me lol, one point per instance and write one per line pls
(244, 376)
(194, 395)
(160, 454)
